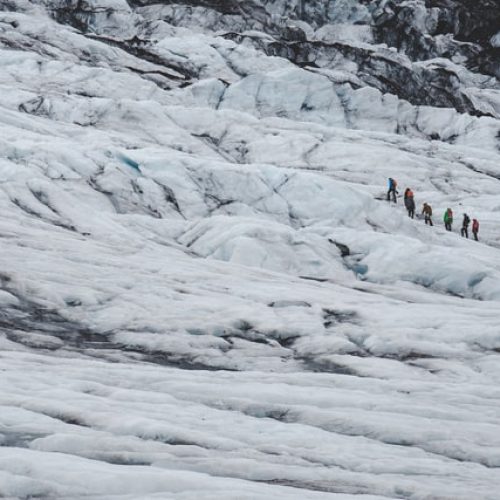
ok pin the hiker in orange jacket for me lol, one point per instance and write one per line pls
(427, 213)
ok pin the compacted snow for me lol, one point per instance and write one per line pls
(204, 294)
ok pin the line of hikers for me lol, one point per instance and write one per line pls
(409, 202)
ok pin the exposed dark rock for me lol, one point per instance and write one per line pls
(459, 30)
(314, 278)
(344, 249)
(139, 48)
(289, 303)
(172, 359)
(469, 20)
(222, 6)
(432, 86)
(451, 28)
(34, 106)
(332, 317)
(326, 366)
(293, 34)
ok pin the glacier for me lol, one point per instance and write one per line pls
(204, 293)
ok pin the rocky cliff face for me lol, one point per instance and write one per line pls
(462, 31)
(436, 53)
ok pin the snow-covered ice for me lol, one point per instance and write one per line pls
(204, 294)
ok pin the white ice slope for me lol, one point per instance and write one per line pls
(204, 294)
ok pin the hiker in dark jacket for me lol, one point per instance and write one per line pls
(427, 213)
(409, 202)
(465, 226)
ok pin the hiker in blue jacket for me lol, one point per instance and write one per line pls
(392, 192)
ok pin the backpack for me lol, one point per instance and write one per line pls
(475, 226)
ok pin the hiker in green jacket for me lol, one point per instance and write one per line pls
(448, 219)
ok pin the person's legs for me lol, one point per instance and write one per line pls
(475, 236)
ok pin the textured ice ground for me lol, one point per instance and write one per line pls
(178, 318)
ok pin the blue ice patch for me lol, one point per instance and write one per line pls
(129, 162)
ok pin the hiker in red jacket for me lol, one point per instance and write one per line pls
(475, 228)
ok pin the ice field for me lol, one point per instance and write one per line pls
(204, 293)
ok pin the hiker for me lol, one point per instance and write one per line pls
(448, 219)
(465, 226)
(409, 202)
(392, 192)
(427, 213)
(475, 228)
